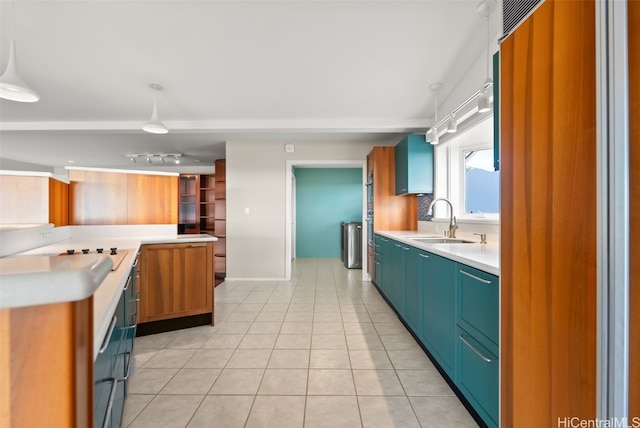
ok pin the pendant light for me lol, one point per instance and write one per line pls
(12, 85)
(484, 101)
(432, 134)
(155, 125)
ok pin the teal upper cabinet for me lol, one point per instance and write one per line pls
(414, 165)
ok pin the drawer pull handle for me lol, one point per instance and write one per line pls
(128, 371)
(112, 395)
(406, 248)
(398, 245)
(423, 255)
(126, 287)
(384, 240)
(137, 260)
(107, 338)
(474, 349)
(477, 278)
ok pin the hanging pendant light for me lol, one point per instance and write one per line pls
(484, 101)
(432, 133)
(12, 85)
(155, 125)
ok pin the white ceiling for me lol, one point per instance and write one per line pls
(232, 70)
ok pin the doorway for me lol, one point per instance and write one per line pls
(293, 218)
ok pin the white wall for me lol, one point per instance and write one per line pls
(256, 179)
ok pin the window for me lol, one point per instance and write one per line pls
(481, 182)
(465, 174)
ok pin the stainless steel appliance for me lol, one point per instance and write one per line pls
(352, 244)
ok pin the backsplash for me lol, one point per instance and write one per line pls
(423, 207)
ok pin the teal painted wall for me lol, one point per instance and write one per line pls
(325, 197)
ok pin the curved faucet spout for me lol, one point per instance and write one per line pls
(453, 226)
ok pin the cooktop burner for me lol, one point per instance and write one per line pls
(116, 255)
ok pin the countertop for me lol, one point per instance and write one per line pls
(49, 277)
(485, 257)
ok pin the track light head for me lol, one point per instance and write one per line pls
(452, 124)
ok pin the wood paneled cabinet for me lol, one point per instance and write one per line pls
(176, 280)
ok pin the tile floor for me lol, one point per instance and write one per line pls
(322, 350)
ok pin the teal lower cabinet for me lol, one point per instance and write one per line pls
(439, 314)
(478, 338)
(414, 291)
(400, 252)
(478, 377)
(453, 310)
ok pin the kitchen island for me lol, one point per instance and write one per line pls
(52, 335)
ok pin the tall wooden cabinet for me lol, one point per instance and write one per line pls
(207, 203)
(189, 204)
(389, 212)
(548, 217)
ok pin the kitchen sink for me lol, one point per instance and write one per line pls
(441, 240)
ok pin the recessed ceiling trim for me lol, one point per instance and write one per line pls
(315, 125)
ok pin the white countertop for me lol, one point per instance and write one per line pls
(39, 277)
(485, 257)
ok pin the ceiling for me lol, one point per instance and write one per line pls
(289, 71)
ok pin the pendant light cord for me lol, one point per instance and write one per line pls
(488, 40)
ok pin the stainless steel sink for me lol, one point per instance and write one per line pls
(441, 241)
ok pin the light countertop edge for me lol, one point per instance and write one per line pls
(107, 294)
(485, 257)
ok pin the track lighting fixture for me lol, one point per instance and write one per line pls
(12, 86)
(151, 158)
(452, 124)
(155, 125)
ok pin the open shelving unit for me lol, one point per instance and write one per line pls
(207, 203)
(220, 220)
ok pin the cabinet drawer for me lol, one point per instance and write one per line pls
(478, 377)
(478, 305)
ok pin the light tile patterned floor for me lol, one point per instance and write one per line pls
(322, 350)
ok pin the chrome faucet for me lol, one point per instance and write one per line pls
(453, 226)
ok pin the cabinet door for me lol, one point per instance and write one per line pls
(414, 165)
(387, 268)
(377, 256)
(478, 377)
(176, 280)
(478, 307)
(440, 310)
(401, 252)
(414, 290)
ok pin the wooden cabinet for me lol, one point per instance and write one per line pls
(46, 362)
(548, 216)
(189, 204)
(440, 310)
(176, 280)
(99, 198)
(413, 166)
(390, 212)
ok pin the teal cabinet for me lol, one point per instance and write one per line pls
(478, 305)
(414, 165)
(112, 366)
(387, 267)
(414, 290)
(439, 316)
(400, 252)
(478, 341)
(377, 259)
(478, 377)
